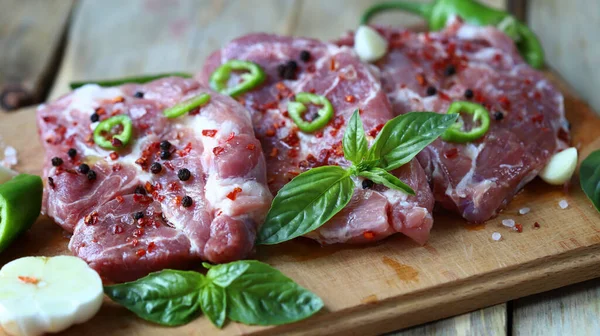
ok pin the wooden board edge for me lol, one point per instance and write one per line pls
(457, 297)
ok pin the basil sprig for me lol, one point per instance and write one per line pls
(315, 196)
(245, 291)
(589, 178)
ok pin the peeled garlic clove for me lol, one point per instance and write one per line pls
(560, 167)
(368, 44)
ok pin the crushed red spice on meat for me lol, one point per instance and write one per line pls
(231, 136)
(113, 156)
(118, 229)
(369, 235)
(536, 225)
(28, 280)
(451, 153)
(91, 218)
(151, 247)
(274, 152)
(142, 199)
(232, 195)
(519, 228)
(375, 131)
(250, 146)
(218, 150)
(350, 99)
(120, 199)
(140, 253)
(270, 132)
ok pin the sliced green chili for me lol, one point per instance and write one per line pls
(186, 106)
(135, 79)
(251, 79)
(116, 141)
(20, 205)
(456, 134)
(296, 109)
(438, 12)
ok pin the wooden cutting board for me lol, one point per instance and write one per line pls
(394, 283)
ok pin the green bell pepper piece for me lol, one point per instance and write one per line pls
(479, 113)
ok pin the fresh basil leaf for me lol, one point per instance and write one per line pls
(306, 203)
(589, 177)
(168, 297)
(224, 274)
(263, 295)
(403, 137)
(380, 176)
(355, 142)
(213, 301)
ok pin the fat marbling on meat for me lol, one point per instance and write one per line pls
(428, 71)
(216, 143)
(336, 73)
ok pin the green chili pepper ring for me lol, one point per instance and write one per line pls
(20, 205)
(250, 80)
(480, 114)
(186, 106)
(296, 110)
(438, 12)
(107, 125)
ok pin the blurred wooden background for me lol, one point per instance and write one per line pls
(44, 44)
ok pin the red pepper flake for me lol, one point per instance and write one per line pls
(231, 136)
(274, 152)
(140, 253)
(497, 57)
(178, 200)
(538, 118)
(319, 134)
(134, 242)
(138, 232)
(375, 131)
(451, 153)
(332, 64)
(28, 280)
(338, 122)
(504, 102)
(292, 139)
(420, 79)
(151, 247)
(49, 119)
(311, 68)
(250, 146)
(120, 199)
(142, 199)
(537, 95)
(233, 194)
(160, 198)
(270, 132)
(563, 135)
(519, 228)
(536, 225)
(443, 96)
(527, 81)
(119, 99)
(337, 149)
(209, 132)
(91, 219)
(185, 151)
(118, 229)
(350, 99)
(368, 235)
(293, 153)
(149, 187)
(173, 186)
(114, 156)
(218, 150)
(100, 111)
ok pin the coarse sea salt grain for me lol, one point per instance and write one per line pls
(10, 157)
(524, 211)
(496, 236)
(508, 223)
(563, 204)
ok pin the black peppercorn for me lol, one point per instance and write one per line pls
(95, 117)
(165, 145)
(292, 65)
(165, 154)
(186, 201)
(83, 168)
(469, 93)
(138, 94)
(305, 56)
(138, 215)
(184, 174)
(367, 184)
(72, 152)
(140, 190)
(498, 115)
(56, 161)
(155, 168)
(91, 175)
(450, 70)
(431, 91)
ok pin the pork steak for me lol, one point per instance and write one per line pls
(133, 214)
(294, 65)
(428, 71)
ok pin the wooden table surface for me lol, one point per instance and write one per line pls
(112, 38)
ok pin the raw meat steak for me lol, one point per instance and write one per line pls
(337, 74)
(216, 143)
(427, 71)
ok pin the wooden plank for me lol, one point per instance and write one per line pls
(573, 310)
(457, 271)
(116, 38)
(572, 46)
(487, 321)
(31, 32)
